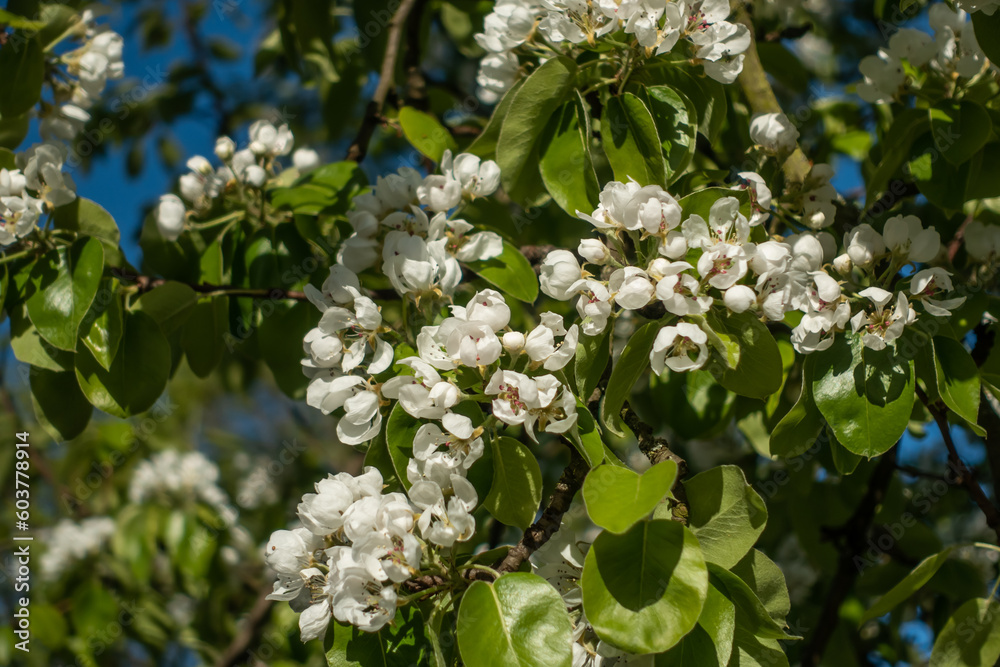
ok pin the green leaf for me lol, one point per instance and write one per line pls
(700, 202)
(592, 356)
(798, 430)
(400, 429)
(767, 582)
(617, 498)
(971, 636)
(517, 621)
(279, 332)
(895, 147)
(726, 514)
(23, 63)
(30, 348)
(865, 395)
(425, 133)
(170, 304)
(750, 611)
(401, 644)
(632, 363)
(631, 142)
(710, 643)
(910, 584)
(102, 327)
(959, 129)
(586, 437)
(485, 145)
(59, 404)
(677, 126)
(517, 483)
(986, 26)
(758, 372)
(957, 378)
(943, 183)
(65, 281)
(138, 372)
(19, 22)
(644, 590)
(90, 218)
(203, 335)
(565, 163)
(511, 273)
(535, 102)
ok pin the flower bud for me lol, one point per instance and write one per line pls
(843, 264)
(513, 342)
(739, 298)
(224, 148)
(594, 251)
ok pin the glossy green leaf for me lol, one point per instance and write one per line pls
(909, 585)
(864, 394)
(767, 581)
(971, 637)
(566, 165)
(710, 643)
(278, 333)
(517, 621)
(758, 372)
(906, 127)
(586, 437)
(986, 26)
(65, 281)
(203, 335)
(485, 145)
(59, 404)
(511, 272)
(23, 63)
(617, 498)
(725, 513)
(632, 363)
(400, 644)
(959, 128)
(592, 356)
(517, 483)
(30, 348)
(138, 372)
(677, 126)
(90, 218)
(797, 431)
(644, 590)
(957, 378)
(102, 327)
(426, 133)
(631, 142)
(535, 102)
(170, 304)
(400, 429)
(750, 611)
(19, 22)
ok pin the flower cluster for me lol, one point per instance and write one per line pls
(952, 52)
(357, 545)
(173, 475)
(88, 69)
(38, 182)
(250, 167)
(655, 25)
(68, 542)
(409, 221)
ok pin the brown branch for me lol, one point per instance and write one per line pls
(251, 629)
(386, 83)
(852, 538)
(539, 532)
(657, 450)
(147, 283)
(964, 474)
(753, 81)
(956, 241)
(416, 85)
